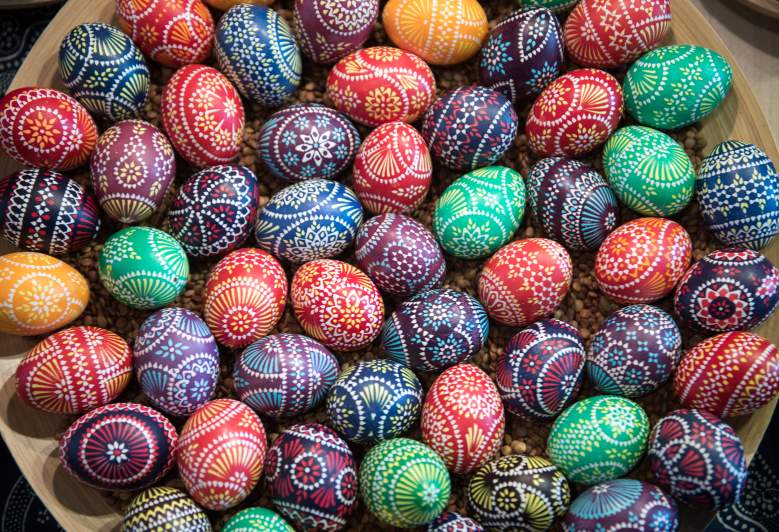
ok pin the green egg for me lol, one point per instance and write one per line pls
(558, 6)
(649, 171)
(252, 519)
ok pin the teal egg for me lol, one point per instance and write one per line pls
(252, 519)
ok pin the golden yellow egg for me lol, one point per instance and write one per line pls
(224, 5)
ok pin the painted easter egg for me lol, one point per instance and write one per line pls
(173, 33)
(164, 507)
(251, 519)
(635, 350)
(469, 127)
(649, 171)
(556, 6)
(284, 374)
(311, 477)
(641, 261)
(244, 297)
(214, 210)
(698, 459)
(400, 255)
(599, 438)
(404, 483)
(39, 293)
(730, 289)
(393, 169)
(731, 374)
(221, 452)
(738, 192)
(119, 446)
(381, 84)
(524, 53)
(43, 210)
(131, 169)
(675, 86)
(328, 30)
(104, 71)
(454, 522)
(202, 115)
(46, 128)
(75, 370)
(525, 281)
(540, 371)
(518, 492)
(224, 5)
(307, 141)
(143, 267)
(255, 48)
(572, 202)
(309, 220)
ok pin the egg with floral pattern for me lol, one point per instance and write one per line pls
(454, 522)
(327, 30)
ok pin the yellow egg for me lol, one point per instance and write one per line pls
(224, 5)
(39, 293)
(442, 32)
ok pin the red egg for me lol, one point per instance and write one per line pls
(46, 128)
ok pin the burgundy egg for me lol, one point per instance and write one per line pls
(327, 30)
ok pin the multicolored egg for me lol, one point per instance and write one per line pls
(256, 49)
(381, 84)
(698, 459)
(311, 477)
(641, 261)
(221, 452)
(119, 446)
(454, 522)
(43, 210)
(738, 192)
(214, 210)
(284, 374)
(244, 297)
(400, 255)
(556, 6)
(251, 519)
(46, 128)
(75, 370)
(164, 507)
(328, 30)
(525, 281)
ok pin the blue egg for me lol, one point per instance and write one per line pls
(104, 70)
(312, 219)
(256, 50)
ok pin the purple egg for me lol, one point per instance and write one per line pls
(454, 522)
(176, 360)
(400, 255)
(327, 30)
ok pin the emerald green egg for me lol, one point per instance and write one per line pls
(252, 519)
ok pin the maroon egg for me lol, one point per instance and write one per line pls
(327, 30)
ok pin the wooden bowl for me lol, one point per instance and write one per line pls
(31, 435)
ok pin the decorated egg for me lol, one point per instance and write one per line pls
(255, 48)
(224, 5)
(556, 6)
(75, 370)
(641, 261)
(572, 202)
(131, 169)
(104, 71)
(203, 115)
(698, 459)
(469, 127)
(307, 141)
(404, 483)
(540, 371)
(221, 452)
(400, 255)
(731, 374)
(518, 492)
(313, 219)
(327, 30)
(214, 210)
(43, 210)
(524, 53)
(675, 86)
(119, 446)
(173, 33)
(46, 128)
(39, 293)
(381, 84)
(393, 169)
(251, 519)
(311, 477)
(738, 192)
(525, 281)
(164, 507)
(454, 522)
(143, 267)
(284, 374)
(244, 297)
(176, 360)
